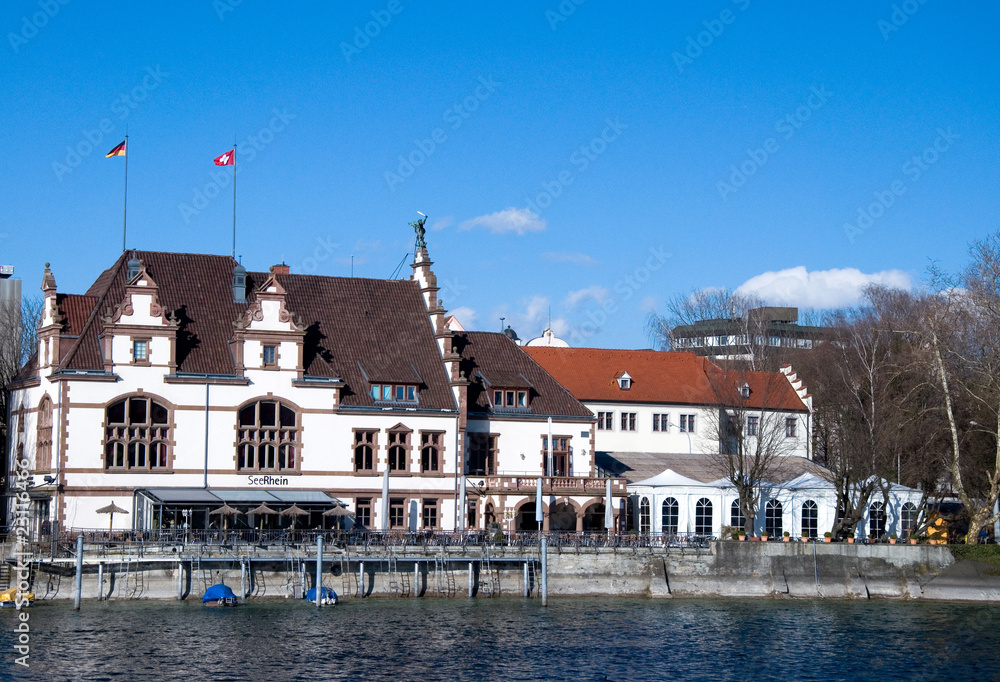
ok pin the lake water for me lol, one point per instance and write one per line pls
(509, 639)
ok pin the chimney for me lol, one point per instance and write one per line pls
(280, 269)
(240, 284)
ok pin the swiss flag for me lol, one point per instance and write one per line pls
(227, 159)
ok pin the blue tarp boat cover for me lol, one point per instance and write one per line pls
(328, 593)
(216, 592)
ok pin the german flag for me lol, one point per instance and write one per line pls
(117, 151)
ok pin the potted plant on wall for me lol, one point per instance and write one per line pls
(786, 537)
(805, 536)
(764, 536)
(827, 536)
(892, 539)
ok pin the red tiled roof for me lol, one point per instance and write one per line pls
(381, 325)
(662, 377)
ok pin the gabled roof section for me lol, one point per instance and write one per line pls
(668, 378)
(382, 324)
(504, 364)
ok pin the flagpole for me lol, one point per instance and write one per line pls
(234, 200)
(125, 202)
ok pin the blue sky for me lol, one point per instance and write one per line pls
(593, 159)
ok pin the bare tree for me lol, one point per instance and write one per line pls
(751, 427)
(18, 342)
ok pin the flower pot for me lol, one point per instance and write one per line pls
(850, 541)
(892, 541)
(786, 539)
(743, 538)
(933, 542)
(913, 541)
(805, 538)
(827, 539)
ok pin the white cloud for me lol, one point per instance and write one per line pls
(567, 257)
(441, 223)
(649, 304)
(466, 316)
(518, 220)
(595, 293)
(835, 288)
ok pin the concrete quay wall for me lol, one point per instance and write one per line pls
(724, 569)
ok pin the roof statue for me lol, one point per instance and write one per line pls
(418, 227)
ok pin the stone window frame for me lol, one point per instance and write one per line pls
(791, 427)
(282, 438)
(406, 446)
(363, 504)
(275, 349)
(564, 449)
(606, 421)
(153, 434)
(439, 447)
(400, 505)
(629, 421)
(430, 504)
(661, 422)
(43, 434)
(493, 453)
(147, 344)
(372, 443)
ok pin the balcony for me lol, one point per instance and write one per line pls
(553, 485)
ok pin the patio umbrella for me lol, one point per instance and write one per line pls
(294, 511)
(111, 509)
(609, 514)
(262, 510)
(385, 501)
(225, 511)
(337, 512)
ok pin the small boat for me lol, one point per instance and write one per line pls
(9, 597)
(219, 595)
(327, 597)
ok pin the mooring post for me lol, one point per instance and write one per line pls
(79, 571)
(100, 581)
(243, 584)
(302, 579)
(527, 585)
(416, 579)
(180, 580)
(471, 579)
(545, 571)
(319, 571)
(361, 579)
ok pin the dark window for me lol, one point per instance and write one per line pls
(137, 433)
(876, 519)
(430, 513)
(430, 451)
(628, 421)
(736, 518)
(268, 437)
(687, 423)
(364, 451)
(397, 512)
(482, 454)
(605, 421)
(269, 355)
(772, 518)
(399, 448)
(703, 517)
(661, 422)
(753, 426)
(363, 512)
(669, 510)
(810, 519)
(790, 427)
(644, 515)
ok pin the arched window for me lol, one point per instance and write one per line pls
(430, 451)
(772, 518)
(364, 451)
(399, 449)
(268, 437)
(876, 519)
(908, 518)
(136, 434)
(810, 519)
(43, 436)
(644, 515)
(703, 517)
(736, 518)
(668, 517)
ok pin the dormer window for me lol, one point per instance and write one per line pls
(625, 382)
(510, 398)
(745, 391)
(400, 393)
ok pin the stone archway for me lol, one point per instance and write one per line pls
(525, 521)
(593, 517)
(562, 517)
